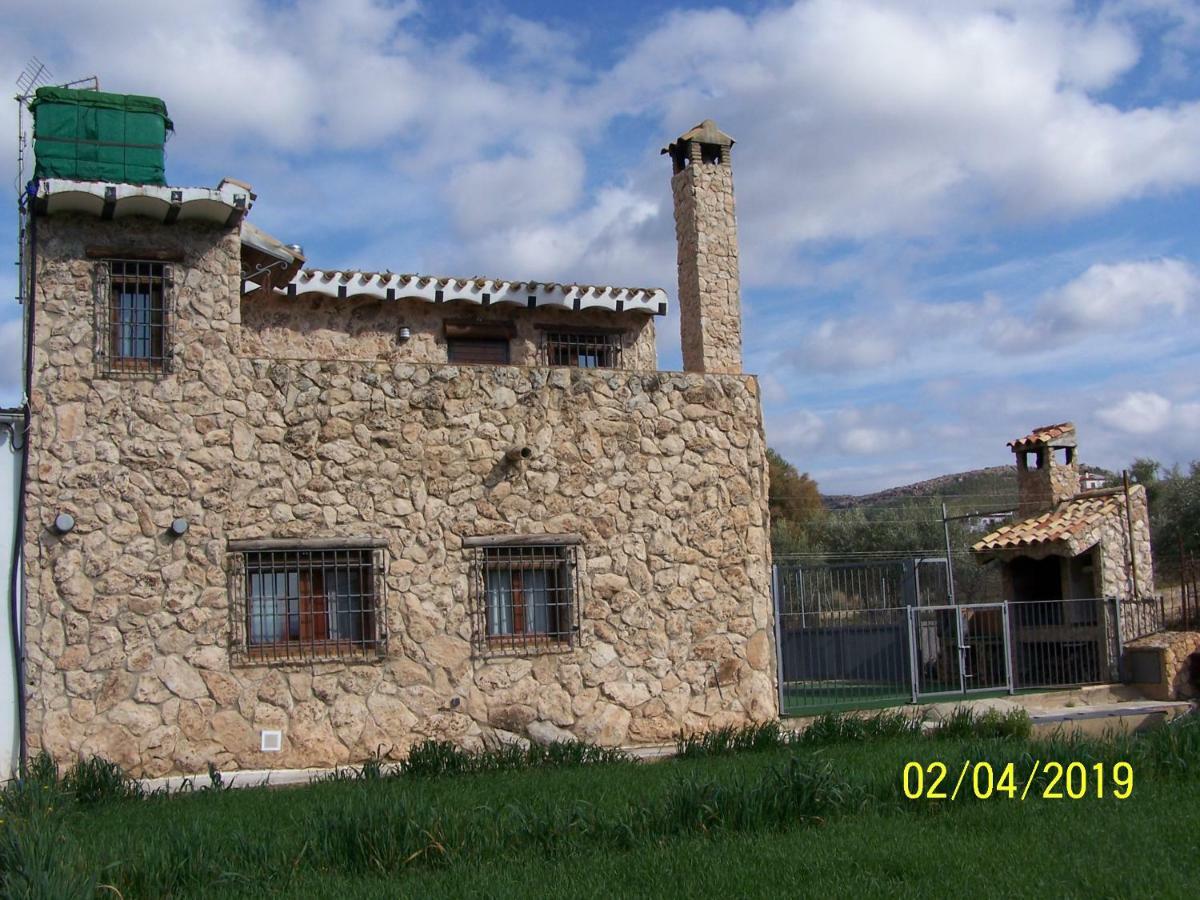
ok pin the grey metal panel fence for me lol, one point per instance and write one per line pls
(844, 659)
(838, 651)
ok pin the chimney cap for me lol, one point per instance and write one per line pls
(706, 132)
(1060, 435)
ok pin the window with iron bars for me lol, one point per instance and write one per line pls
(582, 349)
(302, 604)
(525, 597)
(134, 321)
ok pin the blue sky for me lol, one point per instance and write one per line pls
(958, 219)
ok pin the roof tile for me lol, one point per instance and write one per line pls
(1070, 520)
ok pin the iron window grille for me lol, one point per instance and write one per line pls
(134, 317)
(295, 605)
(525, 597)
(582, 349)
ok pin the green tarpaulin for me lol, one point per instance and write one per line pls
(93, 136)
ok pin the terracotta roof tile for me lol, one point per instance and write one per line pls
(1044, 435)
(1069, 521)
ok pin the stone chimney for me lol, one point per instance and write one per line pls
(1047, 468)
(706, 234)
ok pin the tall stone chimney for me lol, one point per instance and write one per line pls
(706, 234)
(1047, 468)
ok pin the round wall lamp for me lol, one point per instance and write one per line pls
(64, 523)
(179, 527)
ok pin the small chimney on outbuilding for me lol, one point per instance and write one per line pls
(706, 234)
(1047, 468)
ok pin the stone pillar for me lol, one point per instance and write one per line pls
(706, 235)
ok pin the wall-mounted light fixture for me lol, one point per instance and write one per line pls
(64, 523)
(404, 333)
(179, 527)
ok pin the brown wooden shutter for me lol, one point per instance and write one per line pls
(493, 351)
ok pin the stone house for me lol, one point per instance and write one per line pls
(282, 517)
(1069, 544)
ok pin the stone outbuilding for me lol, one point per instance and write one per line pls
(1069, 544)
(291, 517)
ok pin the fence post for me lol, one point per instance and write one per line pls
(778, 604)
(1119, 638)
(949, 557)
(1008, 655)
(913, 651)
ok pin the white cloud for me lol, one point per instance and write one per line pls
(801, 430)
(866, 441)
(1122, 295)
(853, 343)
(1138, 412)
(773, 390)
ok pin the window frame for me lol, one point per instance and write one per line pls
(557, 339)
(111, 328)
(302, 566)
(561, 602)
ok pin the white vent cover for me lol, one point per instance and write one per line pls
(272, 741)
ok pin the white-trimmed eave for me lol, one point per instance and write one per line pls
(481, 291)
(224, 205)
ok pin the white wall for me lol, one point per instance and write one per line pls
(10, 472)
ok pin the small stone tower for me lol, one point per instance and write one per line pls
(1047, 468)
(706, 233)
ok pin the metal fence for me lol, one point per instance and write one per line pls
(1140, 617)
(860, 585)
(842, 645)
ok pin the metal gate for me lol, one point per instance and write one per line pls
(959, 649)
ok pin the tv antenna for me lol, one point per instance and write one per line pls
(35, 75)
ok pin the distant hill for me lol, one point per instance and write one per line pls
(993, 488)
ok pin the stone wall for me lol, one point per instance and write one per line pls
(129, 630)
(1178, 655)
(314, 326)
(709, 300)
(1112, 537)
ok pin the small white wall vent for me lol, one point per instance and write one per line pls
(272, 741)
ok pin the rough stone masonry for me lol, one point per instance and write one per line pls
(133, 637)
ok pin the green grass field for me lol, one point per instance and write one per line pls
(825, 815)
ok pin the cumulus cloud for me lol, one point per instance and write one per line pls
(800, 431)
(1122, 295)
(865, 441)
(853, 343)
(1138, 412)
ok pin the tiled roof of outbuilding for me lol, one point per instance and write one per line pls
(1064, 524)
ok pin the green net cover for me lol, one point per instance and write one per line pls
(94, 136)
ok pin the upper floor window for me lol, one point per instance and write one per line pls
(581, 348)
(133, 317)
(482, 343)
(477, 350)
